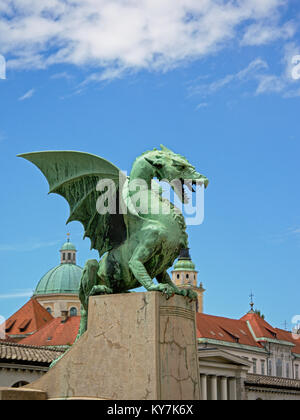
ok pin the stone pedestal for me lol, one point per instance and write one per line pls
(138, 346)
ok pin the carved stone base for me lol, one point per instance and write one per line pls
(138, 346)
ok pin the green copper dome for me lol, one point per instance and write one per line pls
(65, 278)
(68, 246)
(184, 265)
(184, 262)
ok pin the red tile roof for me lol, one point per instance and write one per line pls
(275, 381)
(28, 319)
(296, 349)
(55, 333)
(224, 329)
(288, 336)
(237, 330)
(259, 326)
(262, 329)
(17, 352)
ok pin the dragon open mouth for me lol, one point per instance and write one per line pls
(185, 186)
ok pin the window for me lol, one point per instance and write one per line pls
(49, 310)
(254, 365)
(19, 383)
(64, 256)
(69, 256)
(279, 367)
(270, 368)
(73, 311)
(287, 370)
(262, 363)
(178, 276)
(296, 371)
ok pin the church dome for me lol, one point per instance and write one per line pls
(184, 265)
(68, 246)
(65, 278)
(184, 262)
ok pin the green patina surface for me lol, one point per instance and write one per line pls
(64, 278)
(184, 265)
(68, 246)
(136, 246)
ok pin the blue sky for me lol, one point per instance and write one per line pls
(212, 80)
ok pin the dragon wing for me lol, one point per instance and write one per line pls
(75, 176)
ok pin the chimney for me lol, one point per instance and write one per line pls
(64, 316)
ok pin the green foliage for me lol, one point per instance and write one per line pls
(257, 311)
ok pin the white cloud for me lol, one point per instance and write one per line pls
(284, 82)
(201, 105)
(17, 294)
(62, 75)
(129, 35)
(258, 72)
(252, 71)
(27, 95)
(270, 83)
(261, 33)
(30, 246)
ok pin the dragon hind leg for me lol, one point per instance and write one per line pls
(89, 285)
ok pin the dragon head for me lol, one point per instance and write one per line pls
(176, 170)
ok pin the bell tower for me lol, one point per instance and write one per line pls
(185, 275)
(68, 252)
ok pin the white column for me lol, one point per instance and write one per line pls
(203, 381)
(232, 388)
(214, 388)
(223, 388)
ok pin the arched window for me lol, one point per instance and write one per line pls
(64, 256)
(73, 311)
(69, 256)
(19, 383)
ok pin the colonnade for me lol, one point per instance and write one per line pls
(215, 387)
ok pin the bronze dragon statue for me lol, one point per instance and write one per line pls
(137, 240)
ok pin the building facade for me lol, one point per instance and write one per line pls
(21, 364)
(264, 360)
(239, 359)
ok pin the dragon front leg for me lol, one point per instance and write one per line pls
(141, 255)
